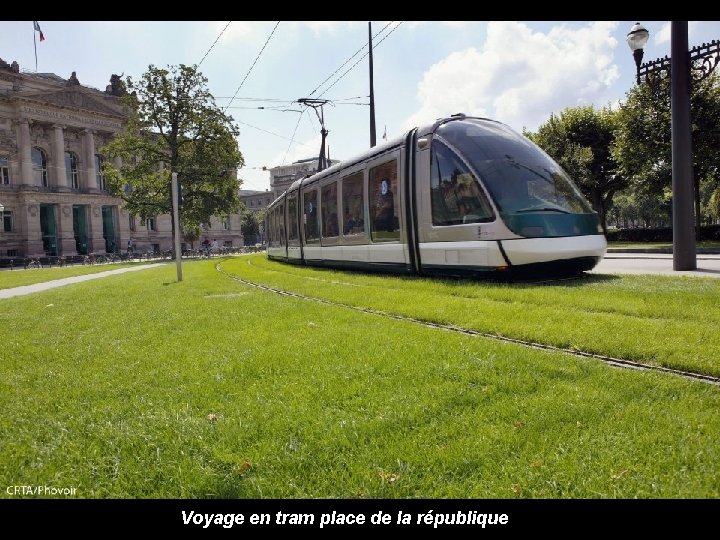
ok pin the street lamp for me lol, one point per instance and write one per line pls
(703, 61)
(637, 38)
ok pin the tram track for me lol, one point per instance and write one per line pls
(614, 362)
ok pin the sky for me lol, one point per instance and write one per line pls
(517, 72)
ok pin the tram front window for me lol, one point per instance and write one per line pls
(530, 190)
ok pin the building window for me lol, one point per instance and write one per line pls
(131, 223)
(39, 162)
(226, 223)
(99, 172)
(71, 170)
(7, 220)
(150, 224)
(4, 171)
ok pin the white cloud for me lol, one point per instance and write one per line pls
(297, 150)
(329, 27)
(663, 35)
(237, 30)
(520, 76)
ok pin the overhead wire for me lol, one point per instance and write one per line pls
(348, 60)
(253, 65)
(268, 132)
(360, 59)
(289, 102)
(214, 42)
(293, 138)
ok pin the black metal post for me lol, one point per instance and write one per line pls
(372, 93)
(702, 61)
(315, 103)
(638, 55)
(684, 256)
(322, 163)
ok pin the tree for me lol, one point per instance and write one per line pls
(643, 145)
(633, 209)
(191, 233)
(175, 126)
(250, 225)
(579, 140)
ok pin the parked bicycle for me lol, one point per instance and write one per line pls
(32, 262)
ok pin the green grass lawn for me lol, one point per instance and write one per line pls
(139, 386)
(661, 320)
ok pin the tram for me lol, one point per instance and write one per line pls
(463, 196)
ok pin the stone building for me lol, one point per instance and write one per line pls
(256, 200)
(53, 195)
(283, 176)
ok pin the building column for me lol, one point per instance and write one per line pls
(95, 229)
(66, 234)
(25, 154)
(89, 150)
(124, 232)
(33, 233)
(58, 177)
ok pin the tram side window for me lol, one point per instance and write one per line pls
(383, 186)
(353, 207)
(456, 195)
(272, 228)
(328, 202)
(281, 222)
(293, 233)
(310, 216)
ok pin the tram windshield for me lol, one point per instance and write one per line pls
(522, 179)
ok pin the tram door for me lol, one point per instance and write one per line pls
(48, 228)
(80, 229)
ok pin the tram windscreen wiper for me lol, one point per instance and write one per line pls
(542, 209)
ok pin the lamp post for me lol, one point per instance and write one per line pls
(2, 218)
(701, 60)
(637, 38)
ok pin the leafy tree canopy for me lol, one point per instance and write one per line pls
(174, 125)
(579, 139)
(643, 145)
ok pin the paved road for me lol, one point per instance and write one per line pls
(708, 265)
(27, 289)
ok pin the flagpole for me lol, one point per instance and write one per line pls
(35, 45)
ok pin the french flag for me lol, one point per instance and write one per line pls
(37, 28)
